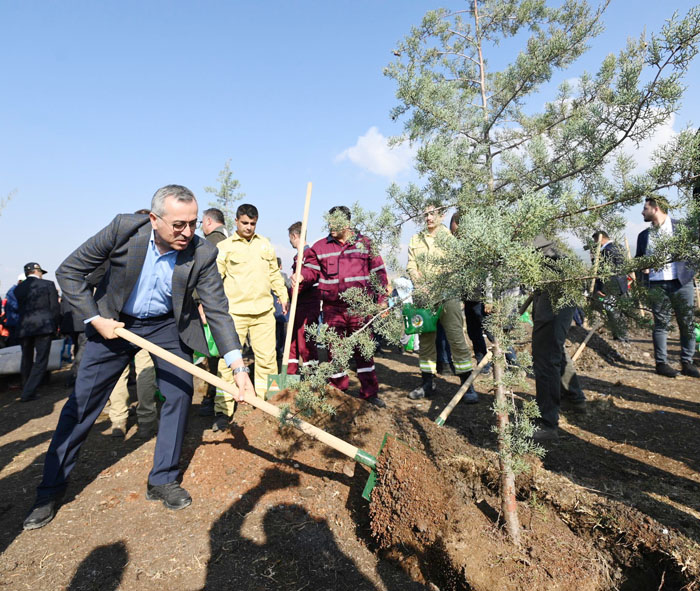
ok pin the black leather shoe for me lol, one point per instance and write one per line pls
(206, 408)
(688, 369)
(172, 494)
(376, 401)
(576, 405)
(221, 423)
(664, 369)
(42, 512)
(29, 398)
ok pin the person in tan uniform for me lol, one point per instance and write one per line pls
(248, 266)
(422, 248)
(146, 411)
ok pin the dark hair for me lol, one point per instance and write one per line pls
(345, 210)
(295, 228)
(456, 216)
(598, 233)
(215, 214)
(142, 211)
(279, 262)
(658, 201)
(247, 209)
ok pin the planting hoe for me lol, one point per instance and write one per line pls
(337, 444)
(278, 382)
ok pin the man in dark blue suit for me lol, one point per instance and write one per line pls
(671, 288)
(155, 263)
(39, 313)
(609, 291)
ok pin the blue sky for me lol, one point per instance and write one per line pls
(104, 102)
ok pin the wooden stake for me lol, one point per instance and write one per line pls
(297, 278)
(595, 263)
(598, 324)
(642, 311)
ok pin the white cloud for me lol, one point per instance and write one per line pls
(372, 152)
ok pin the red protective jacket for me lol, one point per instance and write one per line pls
(308, 292)
(339, 266)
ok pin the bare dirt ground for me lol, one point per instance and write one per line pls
(615, 504)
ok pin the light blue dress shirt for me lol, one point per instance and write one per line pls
(153, 293)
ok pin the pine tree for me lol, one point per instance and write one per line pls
(226, 195)
(514, 174)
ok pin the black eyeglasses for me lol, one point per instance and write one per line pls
(179, 226)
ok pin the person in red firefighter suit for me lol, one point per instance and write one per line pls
(303, 348)
(343, 260)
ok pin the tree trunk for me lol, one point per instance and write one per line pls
(509, 506)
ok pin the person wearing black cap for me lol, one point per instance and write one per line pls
(39, 313)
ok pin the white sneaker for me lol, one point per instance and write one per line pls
(419, 393)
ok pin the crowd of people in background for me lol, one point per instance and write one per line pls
(150, 272)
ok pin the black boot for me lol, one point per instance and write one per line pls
(426, 389)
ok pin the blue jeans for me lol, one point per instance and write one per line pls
(668, 296)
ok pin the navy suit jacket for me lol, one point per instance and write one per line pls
(123, 245)
(39, 310)
(685, 273)
(617, 284)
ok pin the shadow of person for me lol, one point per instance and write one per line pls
(237, 439)
(17, 488)
(16, 414)
(102, 569)
(286, 549)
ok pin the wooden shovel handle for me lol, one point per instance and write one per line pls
(297, 276)
(440, 421)
(331, 440)
(582, 346)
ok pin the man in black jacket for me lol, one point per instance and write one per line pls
(214, 230)
(609, 290)
(213, 225)
(554, 371)
(39, 314)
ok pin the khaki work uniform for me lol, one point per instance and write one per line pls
(145, 391)
(250, 273)
(421, 249)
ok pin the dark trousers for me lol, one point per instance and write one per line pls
(79, 347)
(442, 346)
(212, 368)
(550, 362)
(474, 314)
(102, 363)
(32, 369)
